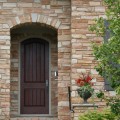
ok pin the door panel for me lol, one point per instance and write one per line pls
(32, 97)
(34, 73)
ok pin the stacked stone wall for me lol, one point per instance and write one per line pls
(71, 19)
(54, 13)
(83, 14)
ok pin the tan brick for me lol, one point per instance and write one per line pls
(94, 3)
(3, 0)
(99, 9)
(12, 1)
(9, 4)
(25, 5)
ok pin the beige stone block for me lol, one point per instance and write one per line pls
(89, 17)
(64, 3)
(37, 1)
(65, 83)
(40, 18)
(35, 118)
(99, 9)
(74, 8)
(79, 26)
(53, 15)
(4, 37)
(58, 11)
(92, 3)
(54, 21)
(74, 41)
(2, 90)
(10, 24)
(34, 17)
(66, 78)
(43, 6)
(64, 27)
(73, 94)
(45, 19)
(9, 4)
(77, 56)
(91, 22)
(79, 36)
(59, 44)
(5, 47)
(27, 18)
(64, 37)
(47, 6)
(86, 9)
(3, 0)
(5, 104)
(57, 24)
(74, 61)
(25, 5)
(66, 43)
(5, 77)
(74, 87)
(84, 61)
(4, 66)
(17, 20)
(18, 11)
(5, 26)
(81, 70)
(49, 21)
(63, 103)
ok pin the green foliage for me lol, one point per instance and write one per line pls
(108, 54)
(85, 90)
(100, 95)
(114, 103)
(96, 115)
(118, 90)
(99, 27)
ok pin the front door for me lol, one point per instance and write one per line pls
(34, 76)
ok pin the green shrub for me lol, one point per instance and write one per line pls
(98, 115)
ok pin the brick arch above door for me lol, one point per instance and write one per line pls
(35, 18)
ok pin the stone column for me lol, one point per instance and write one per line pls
(4, 72)
(83, 13)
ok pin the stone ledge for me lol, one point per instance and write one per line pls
(84, 105)
(75, 107)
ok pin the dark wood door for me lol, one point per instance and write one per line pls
(34, 76)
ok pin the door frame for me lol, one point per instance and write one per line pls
(19, 76)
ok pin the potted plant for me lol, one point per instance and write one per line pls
(85, 84)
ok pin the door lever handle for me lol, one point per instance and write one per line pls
(47, 83)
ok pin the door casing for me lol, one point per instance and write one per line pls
(19, 49)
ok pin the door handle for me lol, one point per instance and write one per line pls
(47, 83)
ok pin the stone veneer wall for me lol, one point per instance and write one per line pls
(71, 19)
(83, 13)
(82, 16)
(54, 13)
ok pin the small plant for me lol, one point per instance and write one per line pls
(98, 115)
(113, 102)
(100, 95)
(85, 84)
